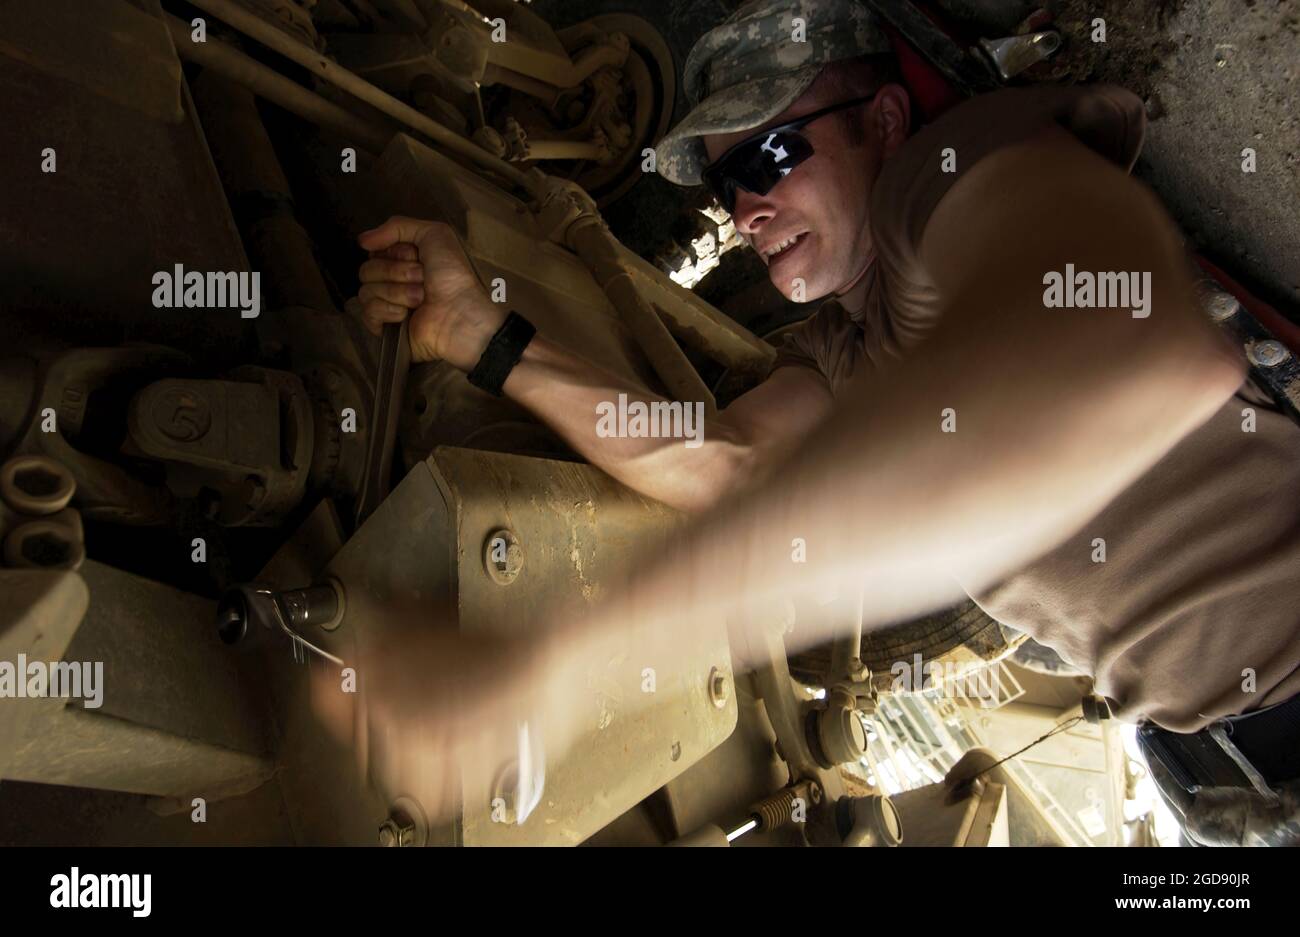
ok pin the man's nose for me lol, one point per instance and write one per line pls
(752, 211)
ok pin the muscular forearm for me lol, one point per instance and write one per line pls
(569, 394)
(688, 463)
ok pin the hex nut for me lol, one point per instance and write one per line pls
(841, 735)
(36, 484)
(503, 556)
(55, 542)
(718, 688)
(405, 826)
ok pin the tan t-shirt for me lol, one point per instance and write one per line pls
(1195, 613)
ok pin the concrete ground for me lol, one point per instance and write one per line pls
(1232, 82)
(1218, 76)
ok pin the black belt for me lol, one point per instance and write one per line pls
(1257, 748)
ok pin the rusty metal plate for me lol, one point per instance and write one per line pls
(576, 529)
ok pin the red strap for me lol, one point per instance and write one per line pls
(930, 91)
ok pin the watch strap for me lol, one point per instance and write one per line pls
(502, 353)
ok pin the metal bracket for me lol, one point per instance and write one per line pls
(1012, 55)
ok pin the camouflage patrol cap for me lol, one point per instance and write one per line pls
(755, 64)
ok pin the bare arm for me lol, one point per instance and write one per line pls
(454, 319)
(563, 390)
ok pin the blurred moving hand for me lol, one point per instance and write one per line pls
(436, 712)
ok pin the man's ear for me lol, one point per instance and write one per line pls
(893, 110)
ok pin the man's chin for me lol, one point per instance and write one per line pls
(794, 274)
(796, 284)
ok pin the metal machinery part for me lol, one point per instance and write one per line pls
(65, 385)
(250, 614)
(390, 383)
(246, 446)
(596, 93)
(146, 433)
(869, 821)
(968, 808)
(1272, 366)
(967, 74)
(37, 528)
(249, 442)
(1013, 54)
(418, 562)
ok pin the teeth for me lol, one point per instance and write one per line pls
(773, 251)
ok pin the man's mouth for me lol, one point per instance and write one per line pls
(780, 248)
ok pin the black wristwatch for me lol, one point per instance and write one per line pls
(502, 354)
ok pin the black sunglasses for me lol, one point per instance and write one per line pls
(760, 162)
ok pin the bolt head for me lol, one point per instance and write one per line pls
(503, 556)
(1221, 305)
(1267, 354)
(719, 691)
(398, 830)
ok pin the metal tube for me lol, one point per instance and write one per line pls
(499, 75)
(697, 323)
(394, 364)
(259, 194)
(599, 251)
(267, 83)
(558, 68)
(276, 241)
(254, 27)
(764, 647)
(704, 836)
(566, 149)
(591, 59)
(846, 648)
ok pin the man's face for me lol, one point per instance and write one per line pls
(820, 210)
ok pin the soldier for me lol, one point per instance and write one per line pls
(1081, 472)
